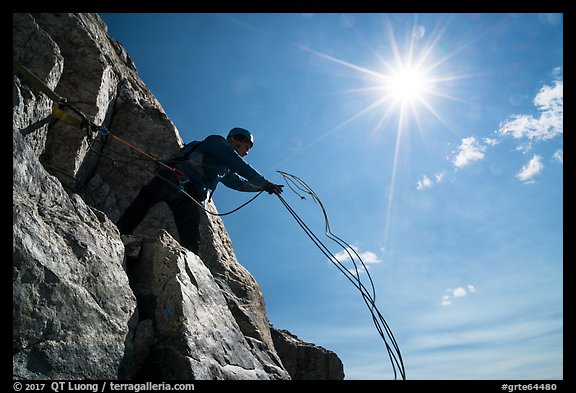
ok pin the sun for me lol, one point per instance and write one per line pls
(401, 86)
(407, 84)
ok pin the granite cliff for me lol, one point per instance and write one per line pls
(88, 303)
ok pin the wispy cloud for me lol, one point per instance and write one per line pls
(487, 345)
(559, 156)
(491, 141)
(469, 150)
(533, 168)
(452, 293)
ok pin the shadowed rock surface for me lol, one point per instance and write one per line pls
(305, 360)
(88, 303)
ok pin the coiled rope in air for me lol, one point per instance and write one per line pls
(298, 186)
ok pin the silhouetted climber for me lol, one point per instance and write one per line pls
(199, 167)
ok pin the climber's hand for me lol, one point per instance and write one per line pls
(272, 188)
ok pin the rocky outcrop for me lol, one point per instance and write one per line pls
(72, 304)
(196, 335)
(88, 303)
(306, 361)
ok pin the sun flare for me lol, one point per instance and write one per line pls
(401, 87)
(406, 84)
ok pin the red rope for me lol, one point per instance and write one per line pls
(176, 170)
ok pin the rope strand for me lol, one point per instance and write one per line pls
(293, 183)
(369, 297)
(89, 126)
(149, 157)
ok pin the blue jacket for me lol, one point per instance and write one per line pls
(215, 160)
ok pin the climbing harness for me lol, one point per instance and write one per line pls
(298, 186)
(59, 113)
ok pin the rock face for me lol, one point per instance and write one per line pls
(305, 360)
(88, 303)
(71, 300)
(196, 335)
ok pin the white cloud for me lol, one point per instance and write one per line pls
(559, 156)
(370, 257)
(423, 182)
(367, 257)
(468, 151)
(491, 141)
(459, 292)
(426, 182)
(342, 256)
(549, 124)
(526, 129)
(530, 170)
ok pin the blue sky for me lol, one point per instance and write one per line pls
(435, 142)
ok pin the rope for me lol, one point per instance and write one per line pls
(369, 297)
(292, 181)
(84, 122)
(142, 152)
(37, 83)
(181, 189)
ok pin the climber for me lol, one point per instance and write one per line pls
(198, 168)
